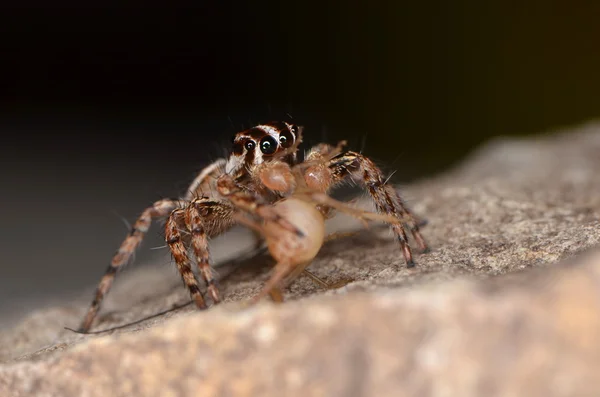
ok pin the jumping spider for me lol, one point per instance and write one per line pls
(258, 173)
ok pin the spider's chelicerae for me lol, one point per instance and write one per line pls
(262, 170)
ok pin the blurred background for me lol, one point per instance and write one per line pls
(104, 110)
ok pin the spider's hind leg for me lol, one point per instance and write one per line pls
(123, 255)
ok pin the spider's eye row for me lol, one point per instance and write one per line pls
(286, 139)
(250, 145)
(268, 145)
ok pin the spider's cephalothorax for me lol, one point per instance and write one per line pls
(257, 173)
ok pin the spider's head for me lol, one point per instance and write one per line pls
(263, 143)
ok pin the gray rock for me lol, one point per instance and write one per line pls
(507, 303)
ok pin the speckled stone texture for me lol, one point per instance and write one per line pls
(506, 304)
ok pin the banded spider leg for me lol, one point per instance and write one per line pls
(160, 209)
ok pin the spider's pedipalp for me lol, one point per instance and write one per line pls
(277, 177)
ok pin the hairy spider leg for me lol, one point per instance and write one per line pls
(123, 255)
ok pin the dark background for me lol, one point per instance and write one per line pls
(104, 110)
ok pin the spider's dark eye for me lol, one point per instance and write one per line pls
(268, 145)
(295, 129)
(286, 139)
(250, 145)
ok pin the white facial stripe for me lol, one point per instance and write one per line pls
(258, 157)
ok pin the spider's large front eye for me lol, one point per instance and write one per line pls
(268, 145)
(250, 145)
(286, 139)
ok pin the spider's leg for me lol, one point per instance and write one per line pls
(387, 200)
(294, 271)
(276, 295)
(123, 255)
(320, 154)
(202, 182)
(319, 281)
(176, 223)
(302, 269)
(281, 270)
(204, 218)
(276, 283)
(362, 215)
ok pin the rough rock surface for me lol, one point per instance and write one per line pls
(522, 211)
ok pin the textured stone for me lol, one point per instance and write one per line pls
(505, 304)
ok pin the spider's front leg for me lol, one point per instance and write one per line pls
(123, 255)
(387, 200)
